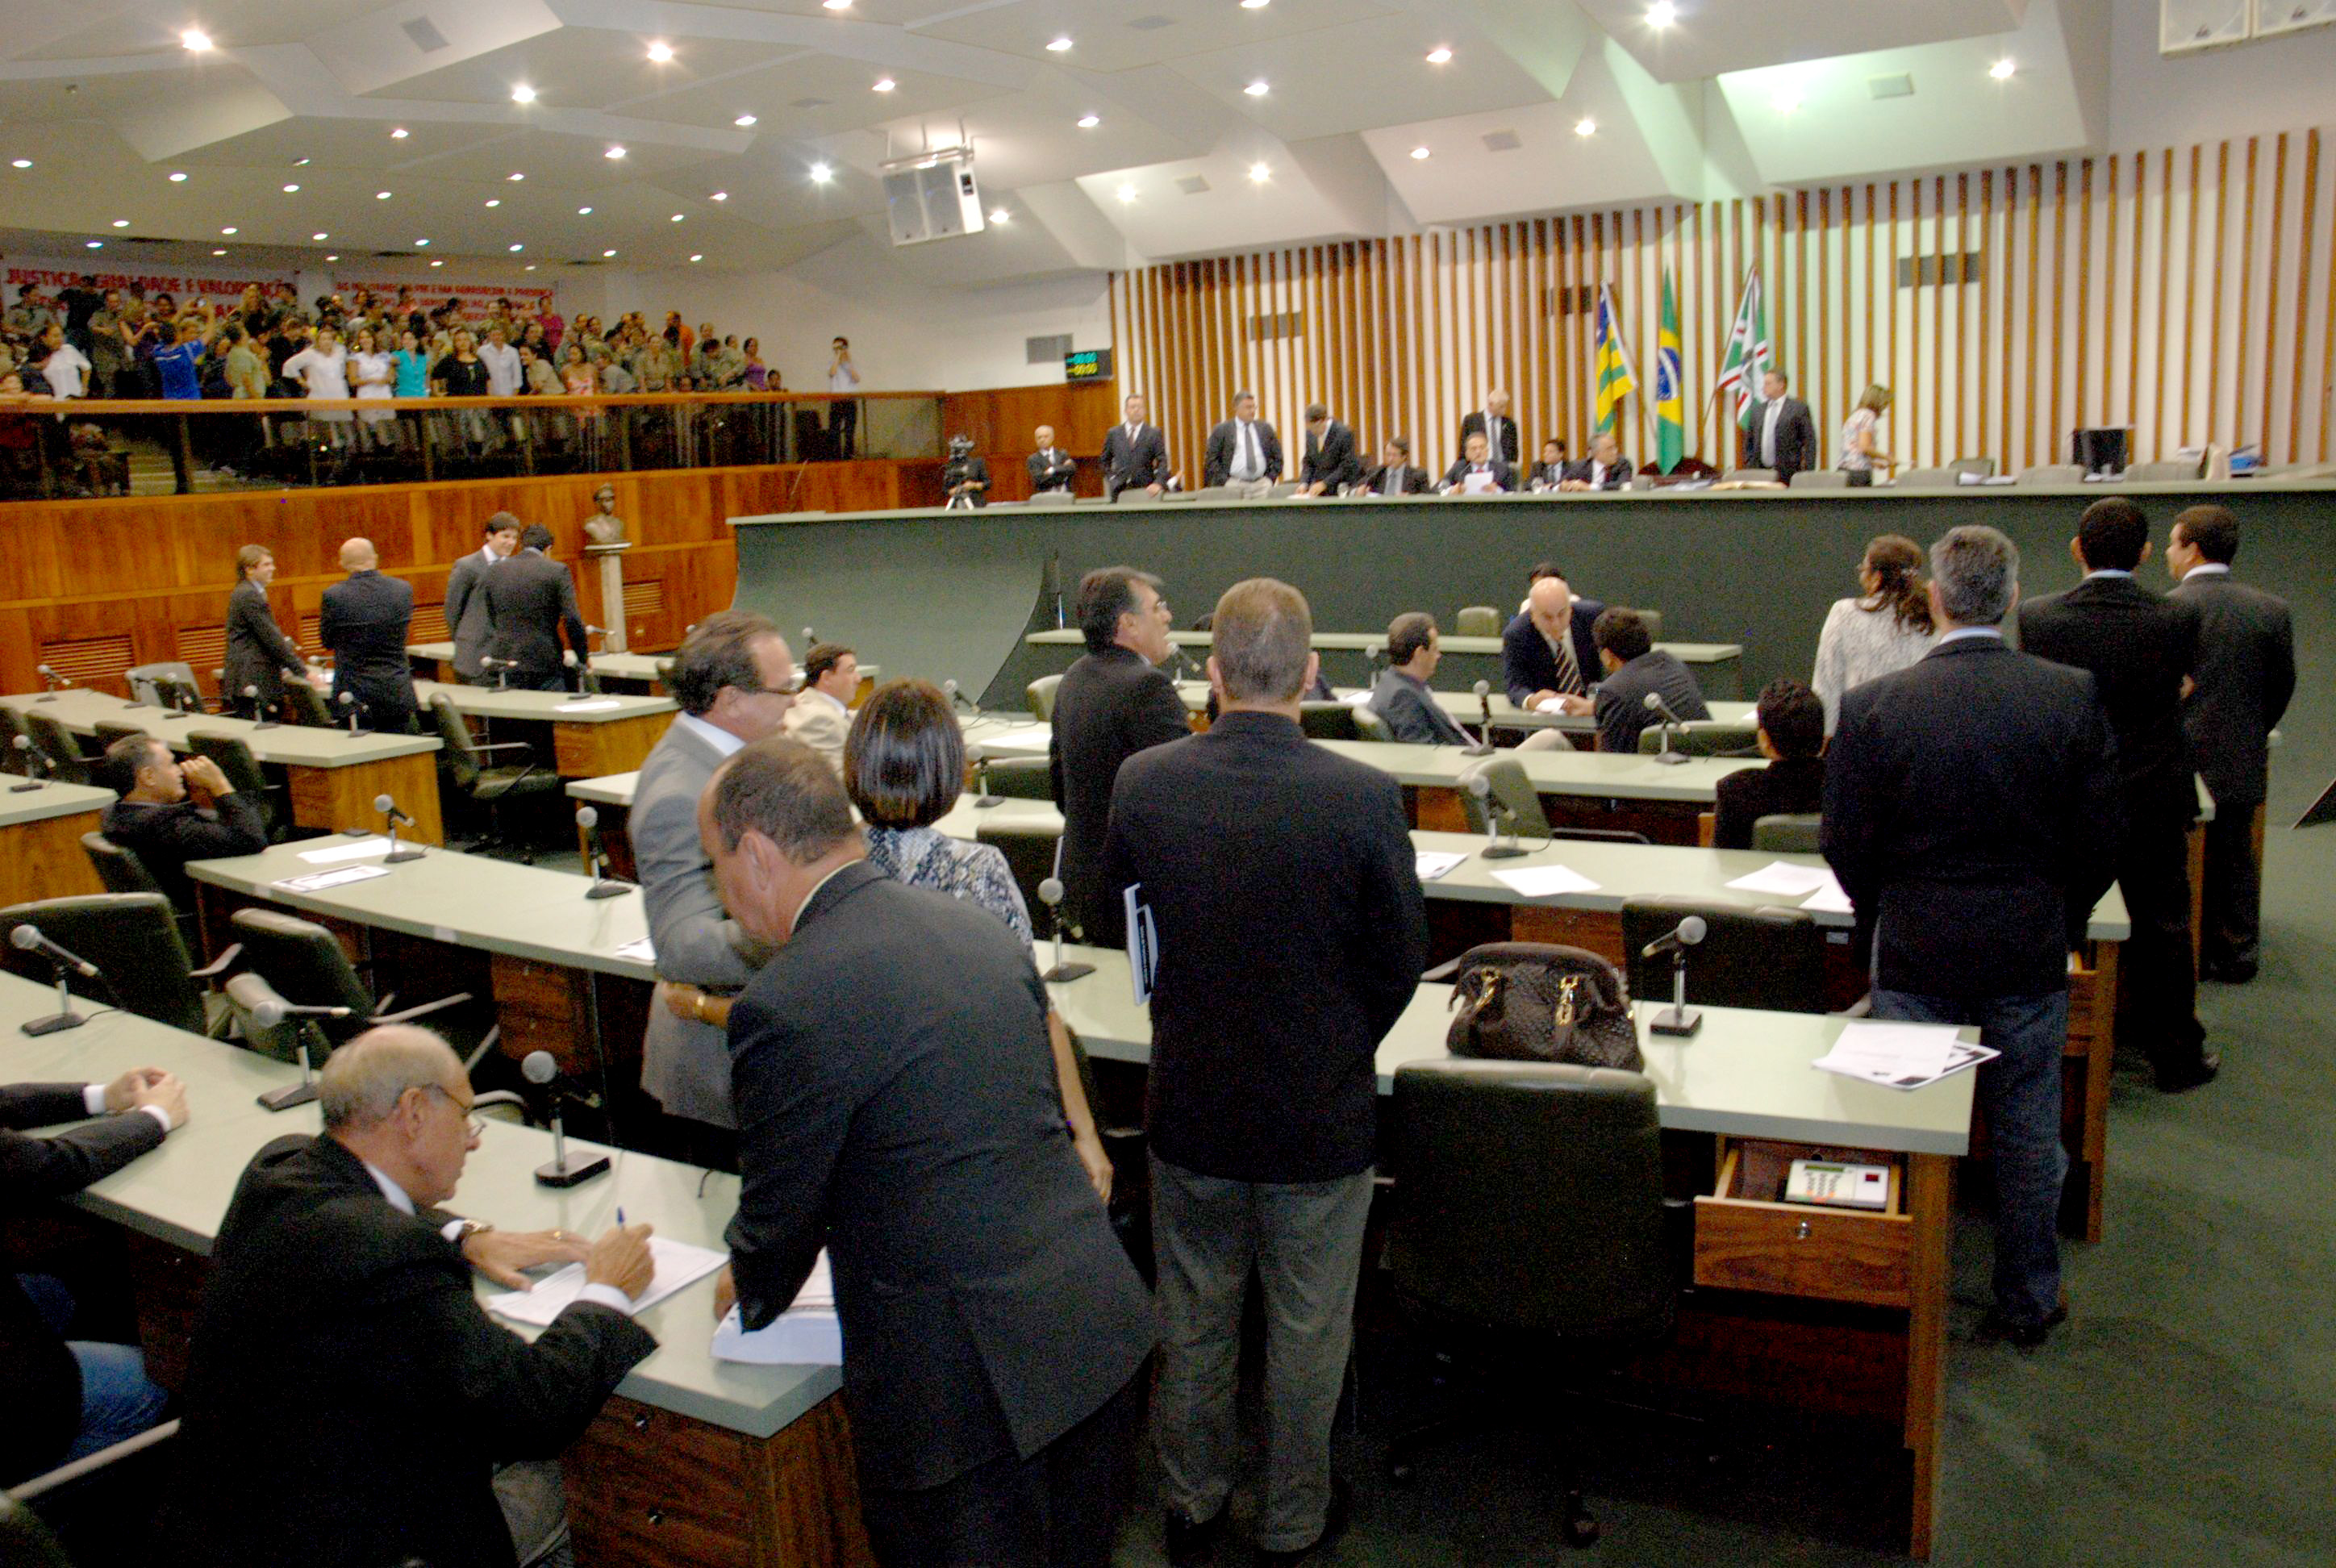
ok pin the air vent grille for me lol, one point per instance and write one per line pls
(96, 661)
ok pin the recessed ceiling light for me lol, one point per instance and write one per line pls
(678, 216)
(195, 41)
(698, 257)
(1128, 193)
(743, 122)
(1419, 153)
(223, 253)
(121, 223)
(607, 253)
(614, 152)
(381, 196)
(518, 248)
(178, 177)
(531, 266)
(332, 258)
(1000, 215)
(421, 242)
(1255, 5)
(1259, 173)
(719, 196)
(20, 163)
(516, 177)
(820, 173)
(1257, 89)
(289, 189)
(1787, 102)
(437, 264)
(399, 134)
(320, 234)
(1440, 55)
(1662, 14)
(883, 85)
(301, 162)
(495, 201)
(1058, 46)
(660, 51)
(836, 4)
(1585, 126)
(1089, 122)
(95, 244)
(522, 93)
(228, 229)
(2002, 69)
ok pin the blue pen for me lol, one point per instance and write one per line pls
(620, 1216)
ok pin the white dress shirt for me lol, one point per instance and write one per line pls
(1770, 413)
(713, 734)
(598, 1294)
(1248, 463)
(842, 377)
(93, 1099)
(503, 369)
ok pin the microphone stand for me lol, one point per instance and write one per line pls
(984, 800)
(1681, 1021)
(1504, 821)
(560, 1172)
(1666, 757)
(304, 1091)
(604, 886)
(397, 856)
(64, 1017)
(1484, 747)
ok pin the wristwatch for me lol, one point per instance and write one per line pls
(463, 1230)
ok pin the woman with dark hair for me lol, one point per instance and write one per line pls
(1884, 629)
(258, 653)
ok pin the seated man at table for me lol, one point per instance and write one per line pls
(1415, 647)
(1548, 645)
(1634, 668)
(1793, 739)
(1397, 474)
(348, 1398)
(822, 716)
(1604, 468)
(1477, 472)
(173, 812)
(67, 1398)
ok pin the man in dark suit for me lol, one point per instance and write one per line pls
(2140, 649)
(1291, 932)
(1604, 468)
(348, 1398)
(1783, 436)
(1330, 464)
(1243, 454)
(1112, 704)
(1051, 467)
(365, 621)
(68, 1398)
(1477, 473)
(1549, 651)
(1402, 697)
(1550, 472)
(1491, 422)
(1793, 739)
(1134, 453)
(1397, 474)
(258, 653)
(466, 594)
(531, 605)
(2244, 676)
(173, 812)
(897, 1105)
(1635, 668)
(1971, 812)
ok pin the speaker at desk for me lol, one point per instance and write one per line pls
(2101, 450)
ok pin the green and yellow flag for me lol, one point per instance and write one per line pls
(1615, 381)
(1671, 414)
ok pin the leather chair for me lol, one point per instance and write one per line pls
(1760, 957)
(1982, 466)
(1051, 498)
(1528, 1232)
(1818, 479)
(1327, 721)
(117, 866)
(244, 774)
(65, 756)
(1781, 834)
(2171, 472)
(2051, 474)
(13, 758)
(1040, 695)
(1654, 622)
(1370, 725)
(1135, 496)
(1704, 737)
(468, 765)
(167, 683)
(108, 732)
(305, 705)
(133, 940)
(1507, 774)
(1749, 476)
(1030, 849)
(99, 1508)
(1928, 479)
(1021, 778)
(302, 963)
(1476, 620)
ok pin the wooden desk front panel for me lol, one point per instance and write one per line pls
(44, 860)
(595, 750)
(342, 797)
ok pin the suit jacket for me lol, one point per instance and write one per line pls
(365, 624)
(1415, 480)
(1505, 449)
(822, 723)
(1503, 476)
(1527, 664)
(1141, 461)
(1413, 713)
(1054, 475)
(40, 1381)
(1548, 475)
(339, 1338)
(166, 837)
(2245, 675)
(1217, 461)
(258, 652)
(1332, 460)
(466, 611)
(1291, 932)
(1110, 706)
(685, 1064)
(530, 602)
(1971, 814)
(898, 1105)
(2138, 646)
(1796, 439)
(1790, 786)
(1616, 475)
(1621, 703)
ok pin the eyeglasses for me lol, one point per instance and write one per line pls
(471, 1126)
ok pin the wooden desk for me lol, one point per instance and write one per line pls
(589, 736)
(332, 775)
(41, 855)
(692, 1461)
(1465, 708)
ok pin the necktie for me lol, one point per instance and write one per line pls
(1249, 468)
(1569, 672)
(1394, 479)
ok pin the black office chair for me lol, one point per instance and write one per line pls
(97, 1509)
(108, 732)
(305, 705)
(1370, 725)
(1529, 1229)
(65, 756)
(1021, 778)
(142, 965)
(302, 963)
(1758, 958)
(1040, 696)
(465, 762)
(246, 777)
(11, 758)
(1029, 849)
(1794, 835)
(1327, 721)
(1512, 789)
(119, 867)
(169, 683)
(1704, 737)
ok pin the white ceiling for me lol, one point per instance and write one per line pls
(105, 102)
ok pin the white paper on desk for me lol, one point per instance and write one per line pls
(1545, 882)
(1550, 705)
(1356, 699)
(1897, 1055)
(1477, 484)
(362, 849)
(639, 947)
(807, 1334)
(1828, 899)
(1784, 878)
(317, 882)
(598, 705)
(1433, 863)
(677, 1264)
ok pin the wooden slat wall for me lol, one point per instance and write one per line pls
(2189, 292)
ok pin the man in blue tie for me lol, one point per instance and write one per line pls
(1243, 454)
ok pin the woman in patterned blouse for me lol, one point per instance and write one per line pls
(1883, 630)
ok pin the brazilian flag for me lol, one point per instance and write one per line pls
(1670, 423)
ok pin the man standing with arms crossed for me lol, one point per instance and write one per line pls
(1291, 932)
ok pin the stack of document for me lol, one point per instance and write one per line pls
(677, 1264)
(317, 882)
(1433, 863)
(1546, 882)
(1814, 886)
(372, 847)
(1900, 1056)
(806, 1334)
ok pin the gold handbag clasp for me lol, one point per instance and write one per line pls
(1566, 1010)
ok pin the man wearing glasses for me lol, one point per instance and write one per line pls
(346, 1398)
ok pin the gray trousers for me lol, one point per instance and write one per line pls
(1305, 1241)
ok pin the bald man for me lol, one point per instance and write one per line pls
(364, 627)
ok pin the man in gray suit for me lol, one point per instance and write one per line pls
(1401, 696)
(731, 677)
(466, 595)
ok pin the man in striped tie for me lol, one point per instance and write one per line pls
(1546, 648)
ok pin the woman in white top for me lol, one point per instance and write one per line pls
(322, 371)
(1885, 628)
(375, 376)
(66, 367)
(1860, 454)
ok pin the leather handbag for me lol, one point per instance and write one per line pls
(1542, 1002)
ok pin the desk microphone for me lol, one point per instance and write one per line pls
(391, 816)
(811, 639)
(268, 1010)
(350, 706)
(34, 757)
(1496, 812)
(1681, 1020)
(1484, 747)
(1050, 893)
(265, 711)
(540, 1069)
(502, 669)
(1656, 705)
(28, 938)
(596, 858)
(957, 698)
(55, 683)
(982, 800)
